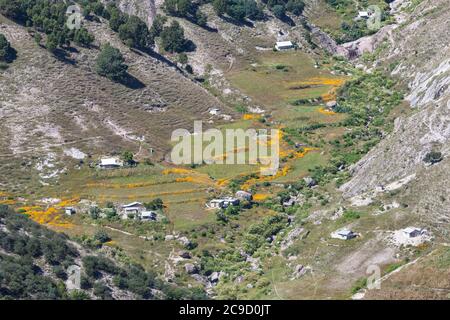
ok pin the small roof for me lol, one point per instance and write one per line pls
(133, 204)
(148, 213)
(230, 199)
(243, 194)
(284, 43)
(411, 229)
(226, 199)
(345, 232)
(109, 162)
(331, 104)
(363, 14)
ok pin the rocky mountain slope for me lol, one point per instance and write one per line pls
(418, 52)
(58, 115)
(55, 109)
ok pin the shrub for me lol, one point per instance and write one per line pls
(172, 38)
(6, 51)
(134, 33)
(102, 237)
(111, 64)
(433, 157)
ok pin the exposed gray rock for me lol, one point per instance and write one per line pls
(190, 268)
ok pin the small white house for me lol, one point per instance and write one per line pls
(343, 234)
(148, 215)
(110, 163)
(289, 203)
(363, 15)
(244, 195)
(412, 232)
(331, 104)
(216, 203)
(284, 45)
(214, 111)
(229, 201)
(134, 208)
(69, 211)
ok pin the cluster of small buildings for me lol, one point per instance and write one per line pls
(407, 233)
(225, 202)
(137, 210)
(134, 210)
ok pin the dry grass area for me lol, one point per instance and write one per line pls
(428, 278)
(52, 104)
(274, 79)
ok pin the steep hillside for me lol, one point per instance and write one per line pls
(36, 263)
(59, 108)
(417, 52)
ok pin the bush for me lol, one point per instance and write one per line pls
(83, 37)
(172, 38)
(102, 291)
(111, 64)
(433, 157)
(351, 215)
(134, 33)
(102, 237)
(6, 51)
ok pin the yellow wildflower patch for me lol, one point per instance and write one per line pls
(176, 171)
(260, 196)
(251, 116)
(50, 216)
(185, 179)
(68, 202)
(8, 202)
(326, 111)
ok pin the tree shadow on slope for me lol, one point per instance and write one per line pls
(205, 27)
(10, 56)
(238, 23)
(158, 57)
(131, 82)
(63, 56)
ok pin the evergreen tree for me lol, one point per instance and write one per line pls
(172, 38)
(5, 49)
(111, 64)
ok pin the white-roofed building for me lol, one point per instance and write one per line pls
(412, 232)
(132, 209)
(284, 45)
(344, 234)
(69, 211)
(363, 14)
(214, 111)
(223, 203)
(148, 215)
(110, 163)
(244, 195)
